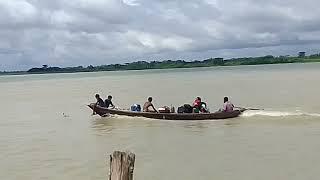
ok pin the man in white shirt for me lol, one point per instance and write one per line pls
(227, 106)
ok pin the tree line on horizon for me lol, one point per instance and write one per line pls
(168, 64)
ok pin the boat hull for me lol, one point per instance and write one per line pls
(167, 116)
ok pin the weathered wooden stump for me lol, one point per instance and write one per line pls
(121, 165)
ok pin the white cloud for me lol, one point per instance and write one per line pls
(82, 32)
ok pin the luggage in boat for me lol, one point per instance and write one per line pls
(164, 109)
(181, 109)
(136, 108)
(172, 110)
(187, 108)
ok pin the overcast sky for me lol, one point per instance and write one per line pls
(83, 32)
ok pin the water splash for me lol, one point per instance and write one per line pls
(278, 113)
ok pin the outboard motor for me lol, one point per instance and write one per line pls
(136, 108)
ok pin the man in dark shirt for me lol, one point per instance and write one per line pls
(108, 103)
(99, 101)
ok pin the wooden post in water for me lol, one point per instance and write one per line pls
(121, 165)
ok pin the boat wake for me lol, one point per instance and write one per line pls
(277, 113)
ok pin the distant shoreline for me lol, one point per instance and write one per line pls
(170, 64)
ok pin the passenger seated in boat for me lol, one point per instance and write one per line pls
(147, 105)
(196, 105)
(108, 103)
(227, 106)
(199, 106)
(204, 108)
(99, 101)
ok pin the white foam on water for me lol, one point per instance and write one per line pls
(278, 113)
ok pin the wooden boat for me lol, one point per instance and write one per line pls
(168, 116)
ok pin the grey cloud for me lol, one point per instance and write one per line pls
(81, 32)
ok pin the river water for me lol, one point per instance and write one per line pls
(47, 132)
